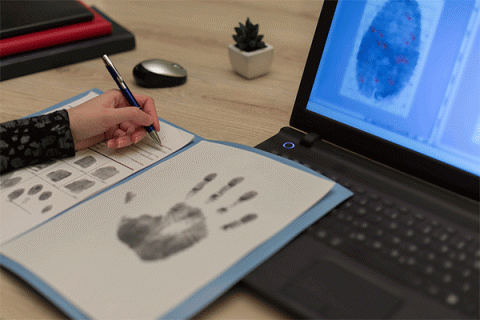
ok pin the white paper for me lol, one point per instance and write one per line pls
(90, 257)
(35, 194)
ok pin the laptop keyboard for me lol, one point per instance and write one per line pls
(403, 243)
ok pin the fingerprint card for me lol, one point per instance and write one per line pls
(35, 194)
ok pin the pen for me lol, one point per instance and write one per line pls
(128, 94)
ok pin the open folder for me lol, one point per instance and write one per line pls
(177, 227)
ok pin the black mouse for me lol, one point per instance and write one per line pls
(156, 73)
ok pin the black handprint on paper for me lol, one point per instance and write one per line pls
(244, 197)
(232, 183)
(199, 186)
(158, 237)
(247, 218)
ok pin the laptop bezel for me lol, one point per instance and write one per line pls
(395, 156)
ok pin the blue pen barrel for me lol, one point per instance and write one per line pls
(128, 95)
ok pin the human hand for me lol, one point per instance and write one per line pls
(110, 118)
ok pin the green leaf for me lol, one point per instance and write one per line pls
(247, 37)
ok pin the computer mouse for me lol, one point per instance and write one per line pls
(156, 73)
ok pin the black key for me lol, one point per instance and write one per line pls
(370, 257)
(469, 305)
(407, 220)
(441, 248)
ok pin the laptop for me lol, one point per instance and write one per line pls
(389, 107)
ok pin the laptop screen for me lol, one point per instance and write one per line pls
(408, 72)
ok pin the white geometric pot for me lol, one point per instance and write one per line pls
(251, 64)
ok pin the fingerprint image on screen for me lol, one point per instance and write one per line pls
(389, 50)
(389, 54)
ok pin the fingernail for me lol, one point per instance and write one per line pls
(122, 144)
(137, 139)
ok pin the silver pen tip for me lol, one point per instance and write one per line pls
(155, 137)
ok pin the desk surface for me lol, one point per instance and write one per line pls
(215, 103)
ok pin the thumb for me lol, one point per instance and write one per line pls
(131, 114)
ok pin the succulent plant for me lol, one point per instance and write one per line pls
(247, 37)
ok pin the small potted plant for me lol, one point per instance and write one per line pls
(250, 56)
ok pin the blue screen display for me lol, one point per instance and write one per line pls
(407, 71)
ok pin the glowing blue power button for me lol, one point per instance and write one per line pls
(289, 145)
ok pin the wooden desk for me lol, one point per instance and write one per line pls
(215, 103)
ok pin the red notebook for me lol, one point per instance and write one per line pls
(55, 36)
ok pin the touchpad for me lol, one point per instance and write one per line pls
(334, 292)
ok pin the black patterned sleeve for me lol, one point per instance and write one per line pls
(30, 141)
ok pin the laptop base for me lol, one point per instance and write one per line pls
(359, 273)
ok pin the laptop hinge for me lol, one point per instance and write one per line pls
(308, 139)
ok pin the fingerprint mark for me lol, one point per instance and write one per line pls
(44, 165)
(245, 197)
(58, 175)
(47, 208)
(45, 195)
(249, 217)
(15, 194)
(35, 189)
(232, 183)
(105, 172)
(231, 225)
(80, 185)
(85, 162)
(245, 219)
(389, 50)
(8, 183)
(199, 186)
(129, 196)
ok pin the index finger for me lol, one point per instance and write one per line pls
(148, 105)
